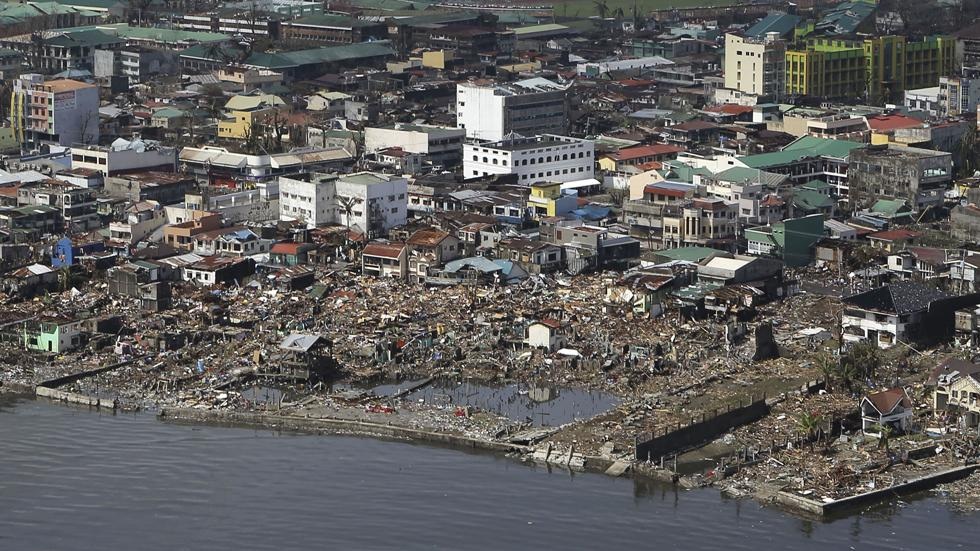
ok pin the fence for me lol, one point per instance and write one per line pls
(682, 438)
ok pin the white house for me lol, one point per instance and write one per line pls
(891, 408)
(545, 158)
(546, 334)
(372, 202)
(888, 314)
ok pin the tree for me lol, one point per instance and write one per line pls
(811, 425)
(885, 431)
(601, 8)
(347, 205)
(969, 156)
(860, 362)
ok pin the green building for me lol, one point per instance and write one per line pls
(52, 334)
(791, 240)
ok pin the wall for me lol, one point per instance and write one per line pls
(699, 433)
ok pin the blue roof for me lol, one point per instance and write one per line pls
(592, 212)
(508, 270)
(775, 22)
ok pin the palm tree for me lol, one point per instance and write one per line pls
(885, 431)
(829, 367)
(347, 204)
(810, 425)
(602, 8)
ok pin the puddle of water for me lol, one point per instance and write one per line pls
(262, 394)
(389, 389)
(544, 406)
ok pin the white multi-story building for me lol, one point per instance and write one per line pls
(440, 145)
(545, 158)
(489, 111)
(755, 66)
(373, 203)
(64, 112)
(124, 156)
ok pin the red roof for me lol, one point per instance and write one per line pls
(730, 109)
(892, 122)
(651, 165)
(383, 250)
(651, 150)
(285, 248)
(894, 235)
(887, 400)
(772, 201)
(669, 192)
(427, 238)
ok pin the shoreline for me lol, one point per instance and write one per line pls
(791, 503)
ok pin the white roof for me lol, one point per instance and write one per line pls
(726, 263)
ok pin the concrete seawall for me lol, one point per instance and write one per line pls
(74, 398)
(846, 504)
(334, 425)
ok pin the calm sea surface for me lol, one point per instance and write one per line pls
(79, 480)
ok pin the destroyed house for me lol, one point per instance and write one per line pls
(430, 249)
(288, 253)
(306, 358)
(536, 257)
(644, 292)
(214, 270)
(52, 334)
(894, 312)
(146, 280)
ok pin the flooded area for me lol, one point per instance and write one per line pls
(541, 406)
(75, 479)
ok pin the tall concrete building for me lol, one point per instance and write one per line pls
(546, 158)
(489, 111)
(755, 65)
(63, 111)
(366, 201)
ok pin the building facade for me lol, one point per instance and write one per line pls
(548, 157)
(64, 112)
(373, 203)
(491, 111)
(755, 66)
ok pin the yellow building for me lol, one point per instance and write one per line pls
(546, 199)
(243, 112)
(876, 69)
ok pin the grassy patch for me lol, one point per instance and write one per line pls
(587, 8)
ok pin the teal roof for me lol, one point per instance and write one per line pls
(283, 60)
(816, 185)
(691, 254)
(890, 207)
(70, 38)
(751, 175)
(168, 113)
(774, 22)
(320, 55)
(844, 18)
(810, 200)
(802, 148)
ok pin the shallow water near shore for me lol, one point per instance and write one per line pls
(72, 478)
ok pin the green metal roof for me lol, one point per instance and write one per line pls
(690, 254)
(320, 55)
(751, 175)
(532, 29)
(816, 185)
(890, 207)
(168, 113)
(86, 37)
(810, 200)
(807, 146)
